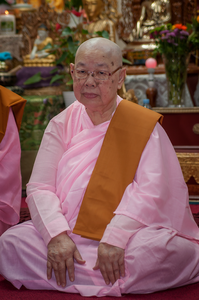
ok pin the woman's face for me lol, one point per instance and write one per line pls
(94, 94)
(93, 8)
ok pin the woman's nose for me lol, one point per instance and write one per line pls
(90, 80)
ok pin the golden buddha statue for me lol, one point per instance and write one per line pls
(153, 13)
(100, 17)
(39, 55)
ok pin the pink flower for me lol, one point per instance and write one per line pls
(57, 26)
(76, 13)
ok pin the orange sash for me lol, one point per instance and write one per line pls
(9, 99)
(124, 142)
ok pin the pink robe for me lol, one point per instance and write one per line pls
(10, 176)
(153, 222)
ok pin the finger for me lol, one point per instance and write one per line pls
(104, 274)
(49, 270)
(78, 257)
(56, 272)
(96, 267)
(110, 273)
(62, 273)
(116, 271)
(70, 268)
(122, 266)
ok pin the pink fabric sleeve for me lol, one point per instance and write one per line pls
(43, 203)
(120, 229)
(10, 174)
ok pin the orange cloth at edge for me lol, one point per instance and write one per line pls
(17, 103)
(127, 135)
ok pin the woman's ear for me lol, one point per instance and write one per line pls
(122, 75)
(71, 70)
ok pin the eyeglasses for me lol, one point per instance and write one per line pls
(98, 75)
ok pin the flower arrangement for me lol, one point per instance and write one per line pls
(170, 39)
(176, 43)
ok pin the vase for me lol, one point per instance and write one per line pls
(69, 97)
(176, 74)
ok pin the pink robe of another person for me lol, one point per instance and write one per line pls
(153, 221)
(10, 176)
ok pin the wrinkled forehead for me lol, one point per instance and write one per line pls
(98, 57)
(94, 65)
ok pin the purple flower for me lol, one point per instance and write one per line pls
(183, 32)
(164, 31)
(151, 36)
(176, 30)
(45, 100)
(164, 37)
(172, 34)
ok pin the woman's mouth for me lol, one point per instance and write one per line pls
(89, 95)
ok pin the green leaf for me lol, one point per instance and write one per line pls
(76, 4)
(84, 31)
(169, 26)
(66, 31)
(57, 77)
(54, 70)
(72, 46)
(48, 46)
(35, 78)
(126, 61)
(105, 34)
(70, 82)
(62, 58)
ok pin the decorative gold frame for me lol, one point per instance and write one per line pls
(189, 163)
(177, 110)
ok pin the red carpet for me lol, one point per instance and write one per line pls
(9, 292)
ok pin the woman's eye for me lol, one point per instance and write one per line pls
(101, 73)
(81, 71)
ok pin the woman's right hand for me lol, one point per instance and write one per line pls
(61, 254)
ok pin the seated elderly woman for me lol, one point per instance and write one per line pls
(11, 113)
(109, 205)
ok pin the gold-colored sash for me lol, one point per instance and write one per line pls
(124, 142)
(9, 99)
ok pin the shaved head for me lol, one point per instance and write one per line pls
(94, 58)
(108, 47)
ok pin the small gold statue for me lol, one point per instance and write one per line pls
(100, 18)
(128, 95)
(39, 55)
(153, 13)
(58, 5)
